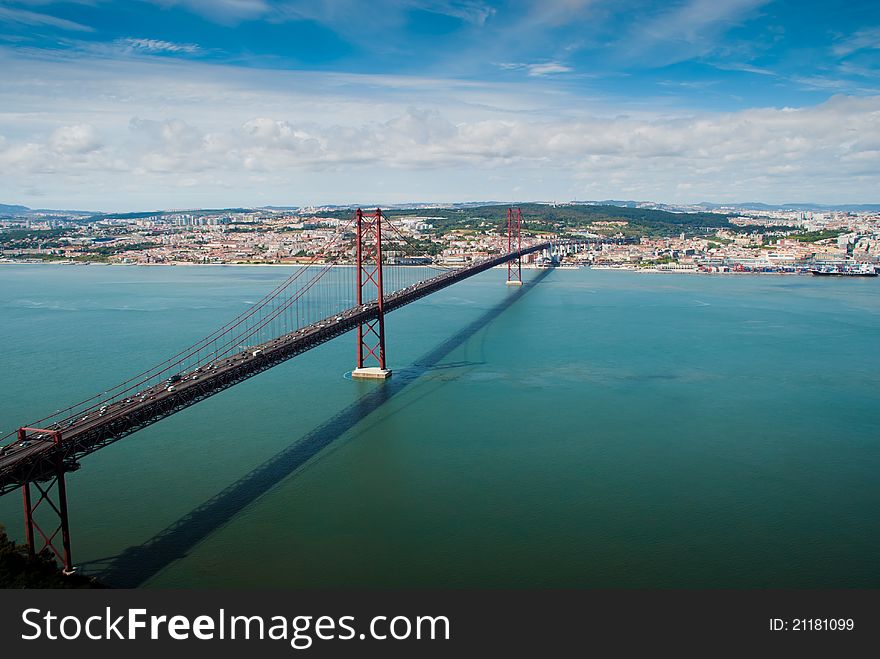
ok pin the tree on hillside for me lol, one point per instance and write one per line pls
(18, 570)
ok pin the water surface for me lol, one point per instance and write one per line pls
(595, 429)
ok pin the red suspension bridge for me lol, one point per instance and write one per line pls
(307, 309)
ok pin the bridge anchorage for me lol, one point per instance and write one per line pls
(311, 307)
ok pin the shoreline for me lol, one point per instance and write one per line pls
(683, 271)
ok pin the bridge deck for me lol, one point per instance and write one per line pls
(34, 458)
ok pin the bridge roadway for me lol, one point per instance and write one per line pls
(36, 460)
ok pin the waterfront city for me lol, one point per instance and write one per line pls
(737, 240)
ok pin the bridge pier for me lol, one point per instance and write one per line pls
(371, 334)
(514, 242)
(57, 481)
(371, 373)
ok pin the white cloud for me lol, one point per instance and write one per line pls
(553, 13)
(128, 134)
(349, 17)
(469, 11)
(867, 39)
(547, 68)
(25, 17)
(78, 139)
(745, 68)
(537, 69)
(685, 30)
(158, 46)
(691, 19)
(222, 11)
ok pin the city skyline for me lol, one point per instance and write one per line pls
(133, 105)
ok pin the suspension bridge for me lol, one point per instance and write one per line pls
(306, 310)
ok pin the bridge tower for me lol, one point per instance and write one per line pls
(371, 333)
(53, 479)
(514, 243)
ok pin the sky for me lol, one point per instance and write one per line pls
(147, 104)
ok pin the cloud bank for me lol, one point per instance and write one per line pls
(197, 136)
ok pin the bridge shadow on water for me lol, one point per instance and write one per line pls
(136, 565)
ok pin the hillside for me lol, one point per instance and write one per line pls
(544, 218)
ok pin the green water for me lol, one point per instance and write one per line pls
(596, 429)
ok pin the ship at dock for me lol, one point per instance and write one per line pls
(845, 270)
(547, 261)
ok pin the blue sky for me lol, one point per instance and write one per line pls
(181, 103)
